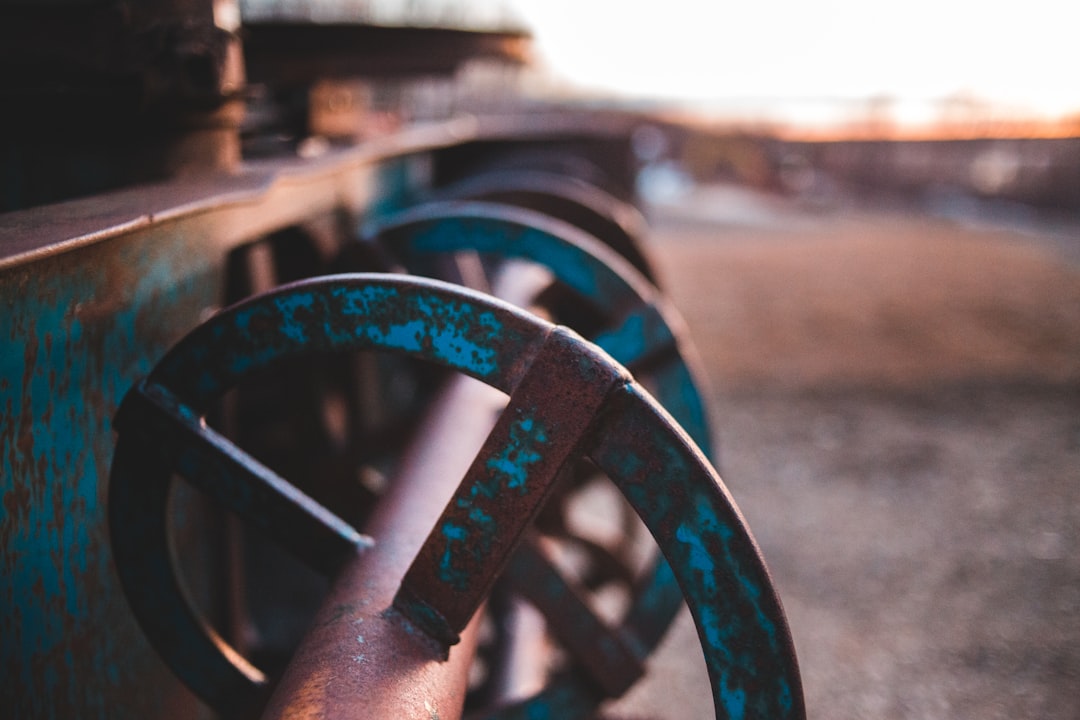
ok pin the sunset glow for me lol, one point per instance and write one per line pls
(816, 61)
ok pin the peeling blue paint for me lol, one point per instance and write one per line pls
(508, 470)
(735, 702)
(76, 331)
(745, 639)
(455, 535)
(572, 264)
(336, 313)
(584, 268)
(511, 467)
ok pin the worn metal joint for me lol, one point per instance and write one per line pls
(426, 618)
(551, 411)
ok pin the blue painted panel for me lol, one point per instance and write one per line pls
(76, 331)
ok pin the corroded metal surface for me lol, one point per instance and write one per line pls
(642, 330)
(426, 319)
(359, 658)
(550, 410)
(748, 647)
(93, 292)
(713, 557)
(76, 331)
(266, 195)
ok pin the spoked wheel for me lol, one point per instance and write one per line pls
(600, 294)
(636, 325)
(567, 399)
(616, 223)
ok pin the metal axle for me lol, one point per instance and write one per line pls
(361, 657)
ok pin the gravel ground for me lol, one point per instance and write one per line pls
(897, 399)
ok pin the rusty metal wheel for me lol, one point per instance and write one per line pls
(637, 326)
(616, 223)
(567, 398)
(601, 295)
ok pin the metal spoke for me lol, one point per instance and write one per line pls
(238, 481)
(550, 411)
(612, 657)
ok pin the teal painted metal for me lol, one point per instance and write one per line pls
(92, 292)
(508, 482)
(668, 481)
(431, 320)
(712, 562)
(91, 296)
(584, 205)
(748, 648)
(398, 185)
(458, 329)
(75, 331)
(644, 332)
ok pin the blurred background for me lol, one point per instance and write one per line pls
(822, 67)
(869, 216)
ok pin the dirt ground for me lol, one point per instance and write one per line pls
(897, 401)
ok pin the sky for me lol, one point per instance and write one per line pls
(1023, 56)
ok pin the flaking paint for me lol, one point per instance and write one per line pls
(77, 329)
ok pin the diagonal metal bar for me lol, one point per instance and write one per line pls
(550, 411)
(238, 481)
(612, 658)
